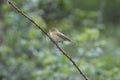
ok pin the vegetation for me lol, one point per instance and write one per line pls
(27, 54)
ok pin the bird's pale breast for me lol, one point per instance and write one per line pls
(55, 37)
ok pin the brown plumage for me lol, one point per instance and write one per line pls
(58, 36)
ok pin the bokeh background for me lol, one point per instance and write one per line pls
(27, 54)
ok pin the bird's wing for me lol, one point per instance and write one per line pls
(63, 36)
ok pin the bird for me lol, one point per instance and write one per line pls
(57, 36)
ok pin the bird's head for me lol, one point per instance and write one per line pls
(53, 30)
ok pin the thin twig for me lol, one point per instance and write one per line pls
(64, 53)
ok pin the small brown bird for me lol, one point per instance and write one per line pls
(58, 36)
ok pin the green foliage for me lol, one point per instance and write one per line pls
(27, 54)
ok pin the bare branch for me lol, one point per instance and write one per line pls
(63, 52)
